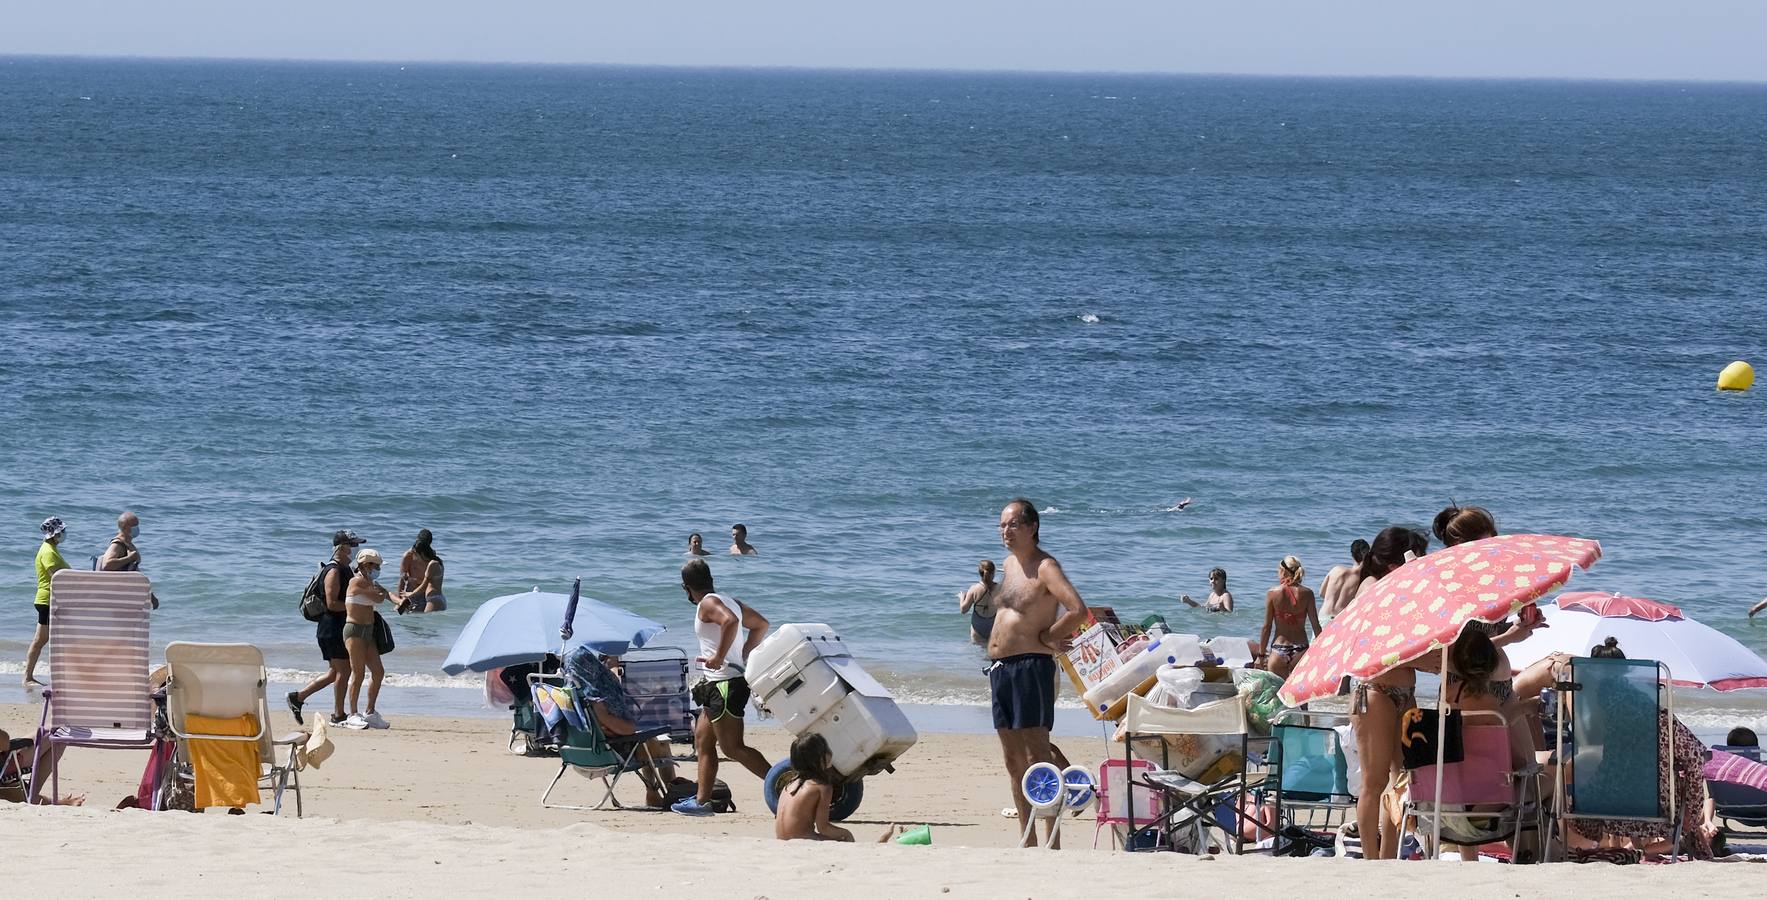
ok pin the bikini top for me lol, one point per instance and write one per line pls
(1295, 614)
(358, 600)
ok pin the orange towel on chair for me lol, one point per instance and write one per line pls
(226, 771)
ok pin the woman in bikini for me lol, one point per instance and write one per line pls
(420, 577)
(1288, 610)
(364, 593)
(1378, 703)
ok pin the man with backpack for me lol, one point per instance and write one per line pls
(323, 604)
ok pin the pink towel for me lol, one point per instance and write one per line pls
(1729, 767)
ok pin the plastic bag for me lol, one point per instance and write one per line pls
(1179, 682)
(1261, 700)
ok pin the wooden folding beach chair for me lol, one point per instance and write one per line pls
(228, 681)
(98, 694)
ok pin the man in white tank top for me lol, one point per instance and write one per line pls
(720, 688)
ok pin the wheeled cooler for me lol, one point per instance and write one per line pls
(806, 679)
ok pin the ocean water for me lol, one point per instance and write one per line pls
(564, 316)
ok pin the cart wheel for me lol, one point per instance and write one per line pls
(770, 784)
(847, 797)
(846, 800)
(1043, 786)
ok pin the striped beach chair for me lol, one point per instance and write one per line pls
(98, 694)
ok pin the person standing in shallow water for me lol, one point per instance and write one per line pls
(122, 555)
(420, 577)
(978, 601)
(1038, 612)
(1340, 582)
(739, 541)
(1220, 598)
(1288, 610)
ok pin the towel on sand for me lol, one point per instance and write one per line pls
(226, 771)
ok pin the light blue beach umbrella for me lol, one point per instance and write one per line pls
(519, 628)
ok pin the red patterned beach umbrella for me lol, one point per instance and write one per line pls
(1421, 606)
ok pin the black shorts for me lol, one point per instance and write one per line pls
(42, 613)
(1024, 691)
(721, 698)
(330, 632)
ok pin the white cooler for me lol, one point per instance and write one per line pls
(804, 676)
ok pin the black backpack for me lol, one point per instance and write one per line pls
(312, 603)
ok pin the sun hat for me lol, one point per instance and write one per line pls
(339, 538)
(368, 556)
(51, 527)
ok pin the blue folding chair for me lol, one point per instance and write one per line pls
(1613, 753)
(1311, 775)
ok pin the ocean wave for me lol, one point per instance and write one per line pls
(473, 682)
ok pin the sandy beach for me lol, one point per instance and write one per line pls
(436, 806)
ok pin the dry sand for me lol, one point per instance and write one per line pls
(437, 807)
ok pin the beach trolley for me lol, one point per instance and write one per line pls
(804, 677)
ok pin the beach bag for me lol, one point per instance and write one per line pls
(312, 603)
(383, 635)
(1417, 737)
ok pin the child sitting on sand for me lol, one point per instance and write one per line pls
(804, 805)
(805, 800)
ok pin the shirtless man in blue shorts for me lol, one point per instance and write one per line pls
(1038, 613)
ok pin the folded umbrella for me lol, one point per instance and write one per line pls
(520, 628)
(1697, 654)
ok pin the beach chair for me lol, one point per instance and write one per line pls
(528, 734)
(98, 695)
(591, 752)
(1610, 765)
(1741, 810)
(1308, 772)
(657, 681)
(227, 681)
(1204, 769)
(1484, 799)
(1114, 791)
(15, 770)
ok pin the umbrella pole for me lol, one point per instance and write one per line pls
(1441, 752)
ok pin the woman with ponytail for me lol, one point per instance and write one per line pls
(1288, 609)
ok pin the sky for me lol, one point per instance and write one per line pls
(1644, 39)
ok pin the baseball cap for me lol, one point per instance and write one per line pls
(346, 536)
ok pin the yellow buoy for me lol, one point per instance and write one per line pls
(1738, 376)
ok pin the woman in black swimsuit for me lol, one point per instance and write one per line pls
(1288, 609)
